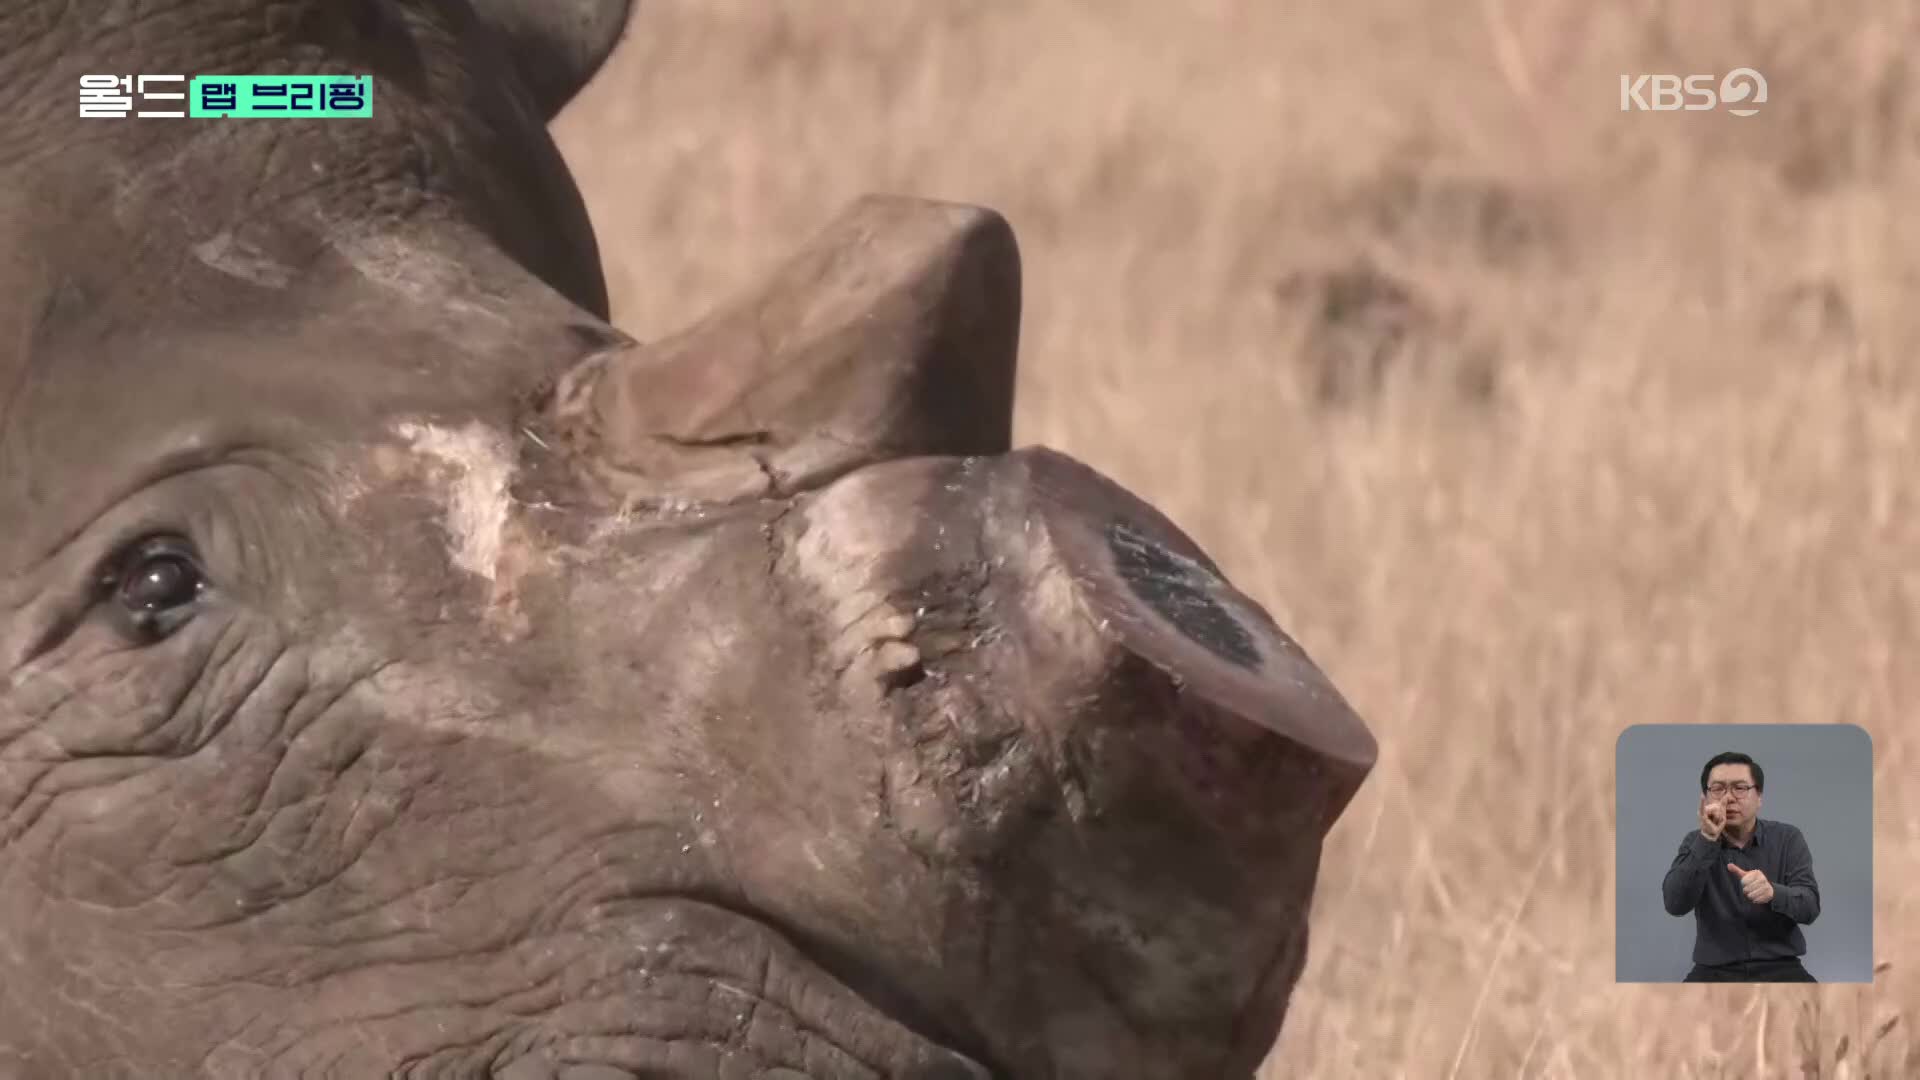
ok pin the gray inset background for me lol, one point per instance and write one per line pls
(1819, 778)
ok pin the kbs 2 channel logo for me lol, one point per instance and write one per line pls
(1741, 91)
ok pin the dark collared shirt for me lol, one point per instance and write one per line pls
(1728, 927)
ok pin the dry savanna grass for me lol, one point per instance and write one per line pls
(1529, 417)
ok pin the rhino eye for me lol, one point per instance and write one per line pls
(154, 587)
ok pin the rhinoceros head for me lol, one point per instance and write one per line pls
(404, 672)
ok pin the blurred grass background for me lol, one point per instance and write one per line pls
(1530, 418)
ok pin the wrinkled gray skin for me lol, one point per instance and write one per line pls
(403, 671)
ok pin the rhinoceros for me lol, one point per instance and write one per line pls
(405, 672)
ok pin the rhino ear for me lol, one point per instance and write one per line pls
(556, 45)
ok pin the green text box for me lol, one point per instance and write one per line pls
(308, 96)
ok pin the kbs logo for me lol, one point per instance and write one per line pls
(1742, 87)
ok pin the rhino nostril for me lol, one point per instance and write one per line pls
(1180, 590)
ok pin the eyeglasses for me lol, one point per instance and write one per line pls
(1739, 789)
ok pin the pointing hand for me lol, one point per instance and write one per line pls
(1713, 818)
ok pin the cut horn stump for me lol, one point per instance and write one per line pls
(1119, 749)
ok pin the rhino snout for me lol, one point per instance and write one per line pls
(1108, 773)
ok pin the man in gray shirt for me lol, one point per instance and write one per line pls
(1748, 882)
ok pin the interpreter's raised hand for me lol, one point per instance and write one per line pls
(1713, 818)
